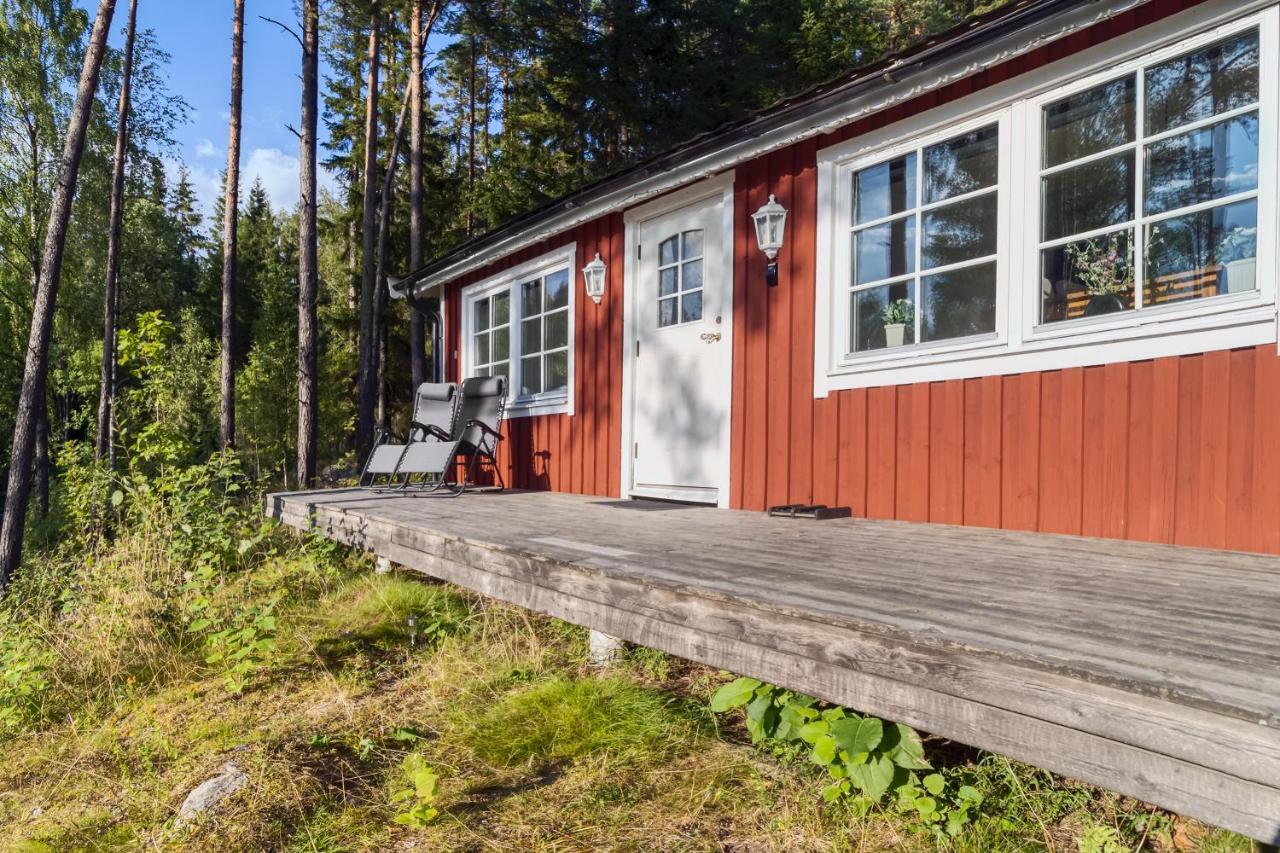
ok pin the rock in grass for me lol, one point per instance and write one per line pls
(209, 793)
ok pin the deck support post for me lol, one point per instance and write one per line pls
(603, 649)
(382, 566)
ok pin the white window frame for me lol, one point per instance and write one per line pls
(1021, 343)
(510, 280)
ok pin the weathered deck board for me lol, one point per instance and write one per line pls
(1148, 669)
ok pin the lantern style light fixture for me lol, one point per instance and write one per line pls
(593, 275)
(770, 219)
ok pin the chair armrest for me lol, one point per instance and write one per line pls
(488, 430)
(431, 430)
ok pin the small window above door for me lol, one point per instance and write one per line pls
(680, 260)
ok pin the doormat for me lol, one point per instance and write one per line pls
(649, 505)
(819, 512)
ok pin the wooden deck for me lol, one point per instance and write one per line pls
(1148, 669)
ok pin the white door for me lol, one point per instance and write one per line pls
(681, 390)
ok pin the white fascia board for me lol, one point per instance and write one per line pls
(895, 90)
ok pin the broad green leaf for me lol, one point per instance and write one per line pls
(117, 498)
(934, 783)
(857, 734)
(810, 732)
(904, 747)
(970, 793)
(874, 777)
(824, 750)
(734, 694)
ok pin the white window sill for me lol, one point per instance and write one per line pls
(1083, 346)
(528, 407)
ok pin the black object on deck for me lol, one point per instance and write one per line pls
(817, 512)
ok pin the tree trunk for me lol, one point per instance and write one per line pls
(110, 299)
(308, 356)
(230, 223)
(36, 368)
(471, 141)
(417, 332)
(366, 384)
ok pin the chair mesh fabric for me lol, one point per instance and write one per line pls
(436, 403)
(483, 398)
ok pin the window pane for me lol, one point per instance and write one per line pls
(482, 348)
(870, 332)
(667, 312)
(1202, 165)
(1202, 254)
(1092, 195)
(501, 341)
(1089, 122)
(668, 281)
(885, 189)
(668, 252)
(962, 165)
(501, 309)
(691, 307)
(557, 371)
(959, 303)
(480, 371)
(482, 315)
(531, 298)
(531, 375)
(885, 250)
(1087, 278)
(961, 231)
(692, 278)
(1201, 84)
(500, 369)
(692, 244)
(531, 336)
(557, 329)
(557, 289)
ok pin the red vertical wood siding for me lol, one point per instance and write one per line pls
(577, 453)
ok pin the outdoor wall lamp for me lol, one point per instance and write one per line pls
(770, 219)
(593, 275)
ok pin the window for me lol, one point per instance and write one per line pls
(519, 324)
(680, 279)
(924, 243)
(1118, 205)
(544, 334)
(1149, 185)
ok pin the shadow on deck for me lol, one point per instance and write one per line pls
(1148, 669)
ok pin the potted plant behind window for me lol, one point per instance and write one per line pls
(896, 316)
(1237, 252)
(1105, 272)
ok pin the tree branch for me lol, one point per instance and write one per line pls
(287, 29)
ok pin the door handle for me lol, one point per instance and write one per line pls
(710, 337)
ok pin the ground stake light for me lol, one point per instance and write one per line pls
(593, 275)
(770, 220)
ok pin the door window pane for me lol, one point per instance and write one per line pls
(1206, 83)
(961, 231)
(1207, 163)
(885, 189)
(870, 329)
(958, 303)
(691, 307)
(1089, 196)
(691, 276)
(667, 312)
(668, 281)
(1090, 121)
(692, 244)
(1087, 278)
(884, 251)
(961, 165)
(1202, 254)
(669, 251)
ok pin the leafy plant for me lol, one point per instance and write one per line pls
(246, 644)
(1100, 838)
(24, 665)
(1102, 269)
(899, 311)
(866, 758)
(417, 797)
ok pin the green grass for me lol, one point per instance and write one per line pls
(534, 750)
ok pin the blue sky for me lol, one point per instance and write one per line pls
(197, 33)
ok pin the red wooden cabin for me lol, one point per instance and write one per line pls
(1077, 202)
